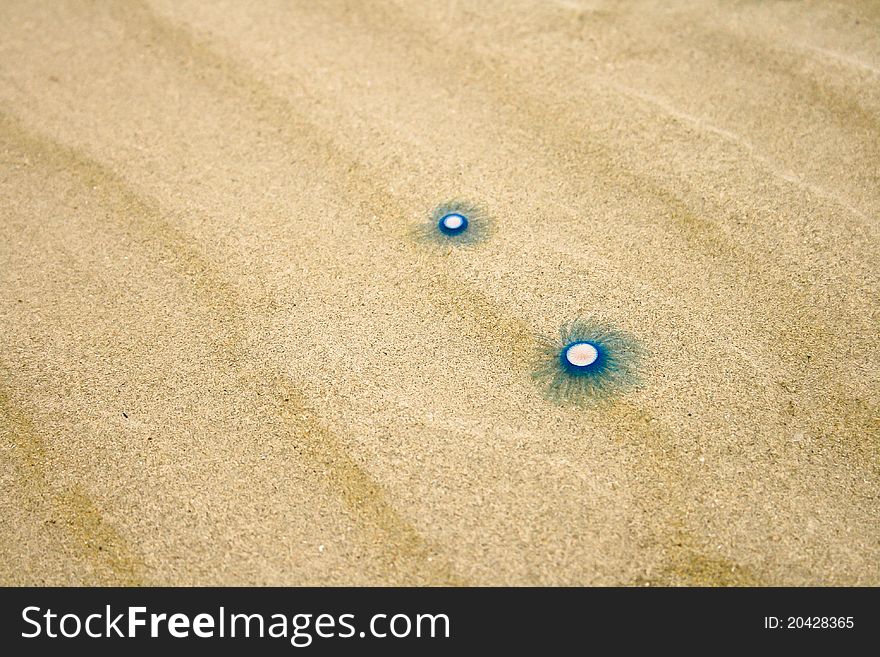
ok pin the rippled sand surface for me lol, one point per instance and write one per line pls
(224, 358)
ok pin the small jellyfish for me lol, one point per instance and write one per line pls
(453, 223)
(456, 223)
(587, 363)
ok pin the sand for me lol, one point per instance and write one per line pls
(225, 360)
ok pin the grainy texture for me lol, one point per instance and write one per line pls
(225, 360)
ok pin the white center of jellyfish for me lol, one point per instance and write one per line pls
(581, 354)
(453, 221)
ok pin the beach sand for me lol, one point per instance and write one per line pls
(225, 360)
